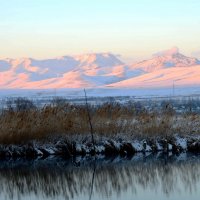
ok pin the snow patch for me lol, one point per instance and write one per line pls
(181, 142)
(158, 146)
(99, 149)
(137, 146)
(170, 147)
(148, 148)
(78, 148)
(117, 145)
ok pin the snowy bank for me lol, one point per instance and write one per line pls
(103, 146)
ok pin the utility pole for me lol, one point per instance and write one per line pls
(55, 91)
(173, 88)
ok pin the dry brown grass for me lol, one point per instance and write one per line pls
(18, 126)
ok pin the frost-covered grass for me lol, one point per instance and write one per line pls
(22, 121)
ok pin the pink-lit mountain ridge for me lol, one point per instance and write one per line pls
(100, 70)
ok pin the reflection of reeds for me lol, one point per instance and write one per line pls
(71, 182)
(23, 123)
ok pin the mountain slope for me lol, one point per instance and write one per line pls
(183, 76)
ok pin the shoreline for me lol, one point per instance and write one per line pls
(103, 146)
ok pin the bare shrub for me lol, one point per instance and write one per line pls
(19, 104)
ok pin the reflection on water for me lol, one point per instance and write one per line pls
(139, 177)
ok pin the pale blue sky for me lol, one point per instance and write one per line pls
(133, 28)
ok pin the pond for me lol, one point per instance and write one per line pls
(142, 176)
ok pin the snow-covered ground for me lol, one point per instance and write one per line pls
(102, 92)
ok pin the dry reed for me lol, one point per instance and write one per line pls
(23, 124)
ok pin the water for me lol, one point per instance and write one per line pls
(138, 177)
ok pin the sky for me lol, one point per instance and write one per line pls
(134, 29)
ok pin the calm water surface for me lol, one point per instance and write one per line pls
(138, 177)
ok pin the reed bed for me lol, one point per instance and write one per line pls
(22, 121)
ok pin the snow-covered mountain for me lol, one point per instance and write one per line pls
(87, 70)
(166, 59)
(99, 70)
